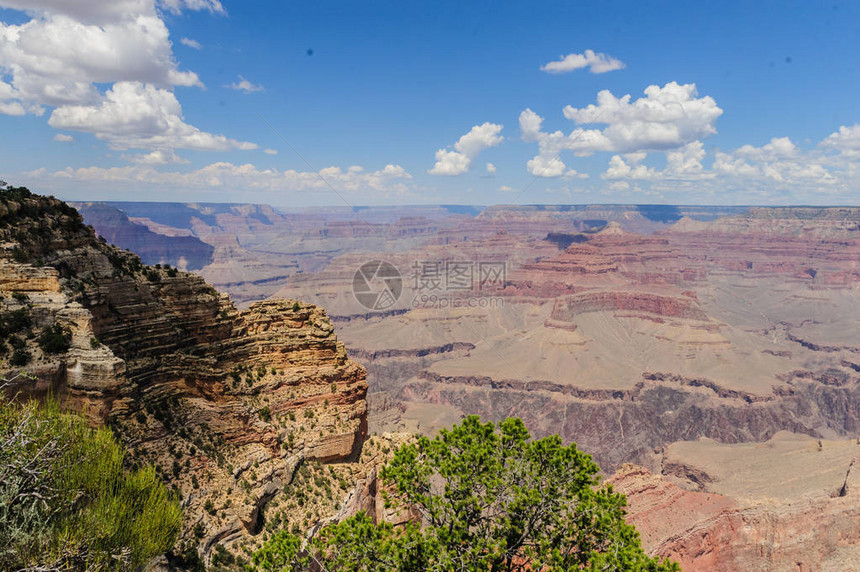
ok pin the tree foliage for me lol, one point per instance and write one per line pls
(67, 503)
(488, 498)
(55, 339)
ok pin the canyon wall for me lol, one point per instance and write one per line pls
(227, 405)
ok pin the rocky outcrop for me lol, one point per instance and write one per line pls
(706, 531)
(566, 309)
(226, 404)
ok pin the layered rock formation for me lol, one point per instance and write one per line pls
(158, 246)
(787, 504)
(227, 404)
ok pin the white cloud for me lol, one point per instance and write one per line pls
(468, 147)
(491, 169)
(245, 86)
(546, 167)
(177, 6)
(105, 11)
(779, 161)
(846, 139)
(12, 108)
(270, 151)
(776, 172)
(667, 118)
(595, 62)
(90, 11)
(68, 49)
(56, 60)
(391, 179)
(159, 157)
(574, 174)
(137, 116)
(778, 148)
(63, 138)
(450, 163)
(507, 189)
(686, 161)
(191, 43)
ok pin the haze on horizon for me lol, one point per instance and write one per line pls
(386, 104)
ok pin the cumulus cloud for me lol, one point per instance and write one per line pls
(778, 148)
(159, 157)
(619, 168)
(12, 108)
(778, 171)
(392, 179)
(63, 138)
(491, 169)
(667, 118)
(105, 11)
(779, 161)
(846, 139)
(595, 62)
(177, 6)
(191, 43)
(468, 147)
(686, 161)
(56, 60)
(90, 11)
(68, 49)
(134, 116)
(270, 151)
(245, 86)
(546, 167)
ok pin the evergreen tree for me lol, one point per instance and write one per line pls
(489, 499)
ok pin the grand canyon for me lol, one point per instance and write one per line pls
(707, 357)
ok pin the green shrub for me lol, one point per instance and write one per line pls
(55, 339)
(19, 255)
(265, 414)
(66, 503)
(16, 321)
(20, 357)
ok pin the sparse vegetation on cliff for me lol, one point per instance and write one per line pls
(483, 497)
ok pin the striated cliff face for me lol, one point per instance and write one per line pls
(185, 251)
(705, 531)
(227, 404)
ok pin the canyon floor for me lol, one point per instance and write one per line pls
(717, 349)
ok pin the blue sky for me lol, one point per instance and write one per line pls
(407, 103)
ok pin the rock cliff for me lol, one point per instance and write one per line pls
(228, 405)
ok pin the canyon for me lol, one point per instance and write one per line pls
(659, 336)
